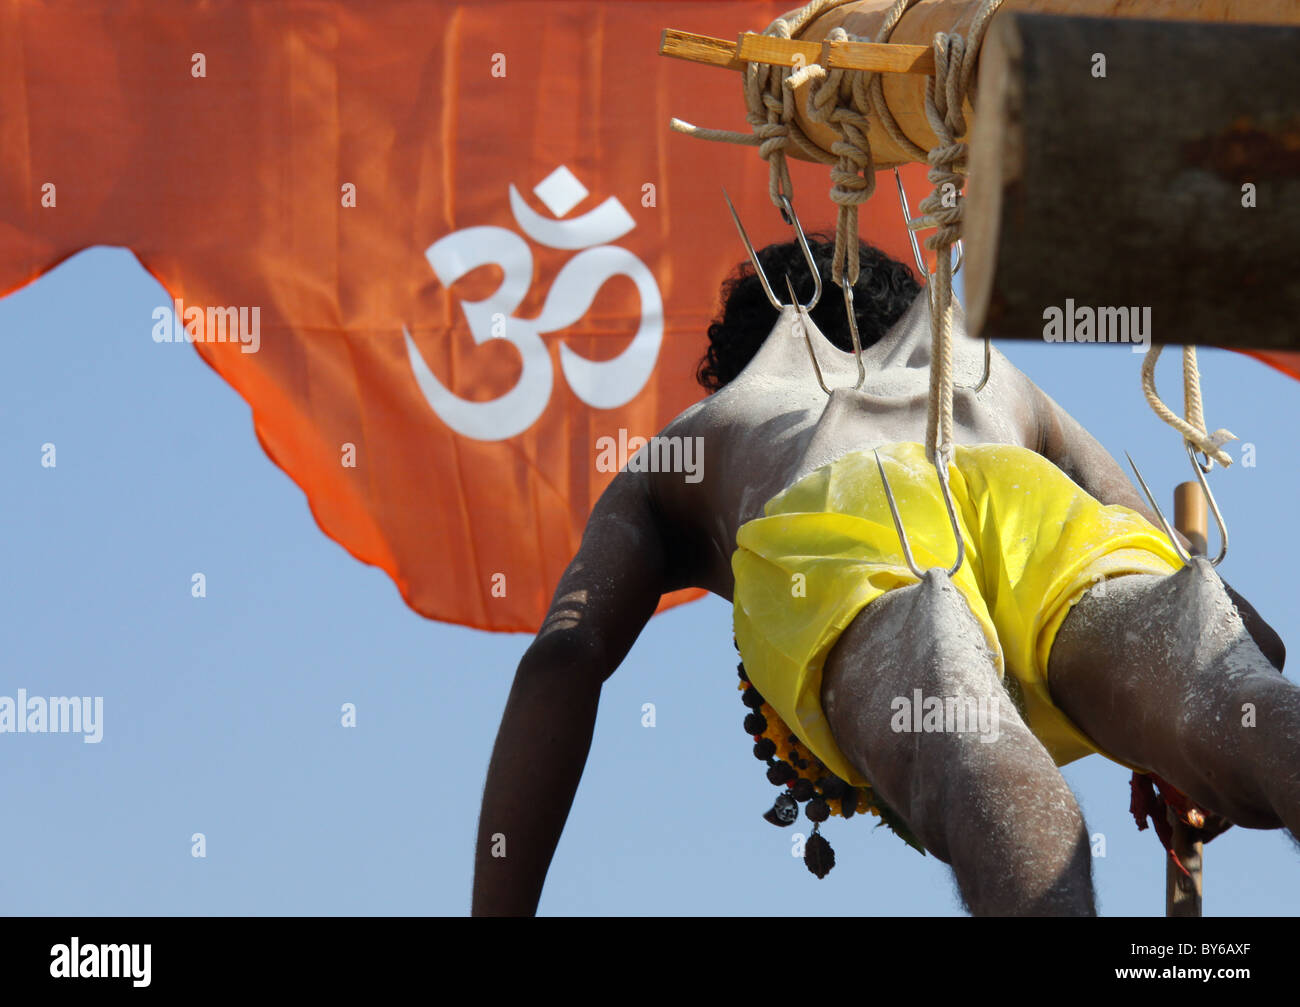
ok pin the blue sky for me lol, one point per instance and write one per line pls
(221, 714)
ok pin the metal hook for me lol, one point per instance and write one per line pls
(1209, 499)
(853, 333)
(787, 211)
(940, 471)
(857, 346)
(988, 359)
(1178, 546)
(911, 234)
(1214, 507)
(923, 271)
(804, 329)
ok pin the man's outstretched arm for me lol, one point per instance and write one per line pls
(604, 599)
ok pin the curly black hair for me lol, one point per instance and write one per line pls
(884, 291)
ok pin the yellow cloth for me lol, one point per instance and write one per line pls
(1035, 543)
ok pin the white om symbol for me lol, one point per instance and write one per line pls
(604, 384)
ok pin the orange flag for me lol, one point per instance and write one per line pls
(441, 249)
(1286, 361)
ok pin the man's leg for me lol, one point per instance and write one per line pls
(1162, 672)
(999, 812)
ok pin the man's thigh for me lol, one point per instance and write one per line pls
(1155, 670)
(922, 644)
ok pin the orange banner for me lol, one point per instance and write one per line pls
(441, 249)
(1286, 361)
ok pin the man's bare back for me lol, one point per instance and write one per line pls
(654, 532)
(774, 424)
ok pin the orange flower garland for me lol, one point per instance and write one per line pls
(787, 741)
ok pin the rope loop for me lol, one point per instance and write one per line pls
(848, 101)
(1193, 426)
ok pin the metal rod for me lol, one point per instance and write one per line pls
(803, 327)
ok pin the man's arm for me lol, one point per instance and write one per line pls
(603, 601)
(1065, 443)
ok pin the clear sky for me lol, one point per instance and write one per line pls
(222, 714)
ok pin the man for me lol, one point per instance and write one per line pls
(1065, 581)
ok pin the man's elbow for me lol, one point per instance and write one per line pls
(1265, 636)
(566, 655)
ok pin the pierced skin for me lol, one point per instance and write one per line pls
(651, 533)
(999, 812)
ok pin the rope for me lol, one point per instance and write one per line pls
(838, 98)
(945, 93)
(846, 100)
(769, 99)
(1193, 427)
(876, 90)
(854, 175)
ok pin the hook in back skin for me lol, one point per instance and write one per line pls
(791, 217)
(803, 318)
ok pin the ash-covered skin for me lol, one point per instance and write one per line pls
(999, 813)
(1187, 693)
(1153, 671)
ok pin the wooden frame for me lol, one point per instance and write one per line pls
(751, 47)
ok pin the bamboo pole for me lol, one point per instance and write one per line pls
(1182, 893)
(904, 89)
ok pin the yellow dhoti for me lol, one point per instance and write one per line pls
(826, 548)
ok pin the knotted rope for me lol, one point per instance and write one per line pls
(1193, 427)
(769, 99)
(945, 209)
(843, 99)
(839, 99)
(846, 100)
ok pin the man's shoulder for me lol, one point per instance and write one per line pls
(689, 417)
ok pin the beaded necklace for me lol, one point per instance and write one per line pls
(808, 782)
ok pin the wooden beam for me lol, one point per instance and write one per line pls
(889, 58)
(699, 49)
(753, 48)
(1171, 185)
(904, 89)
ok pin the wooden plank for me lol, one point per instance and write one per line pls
(888, 58)
(753, 48)
(1169, 188)
(699, 49)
